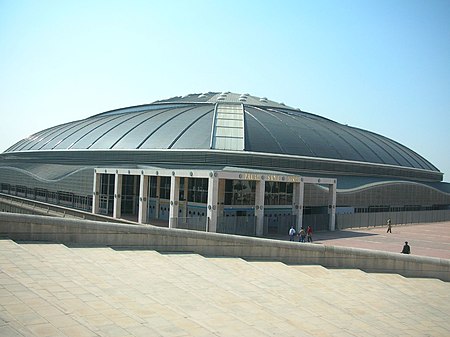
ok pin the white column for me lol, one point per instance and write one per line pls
(158, 197)
(259, 206)
(143, 198)
(213, 192)
(221, 198)
(174, 201)
(299, 199)
(96, 193)
(332, 206)
(186, 191)
(295, 193)
(117, 196)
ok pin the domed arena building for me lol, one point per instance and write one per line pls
(225, 162)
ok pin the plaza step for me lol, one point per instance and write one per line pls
(53, 289)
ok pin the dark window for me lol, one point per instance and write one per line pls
(198, 190)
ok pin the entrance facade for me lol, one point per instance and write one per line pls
(256, 204)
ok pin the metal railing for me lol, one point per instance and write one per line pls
(355, 220)
(15, 204)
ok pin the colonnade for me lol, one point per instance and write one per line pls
(216, 193)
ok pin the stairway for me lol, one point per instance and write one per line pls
(56, 290)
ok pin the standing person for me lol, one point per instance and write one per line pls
(388, 222)
(406, 248)
(291, 233)
(302, 235)
(309, 234)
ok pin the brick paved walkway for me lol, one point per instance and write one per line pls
(427, 239)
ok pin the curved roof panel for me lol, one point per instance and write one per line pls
(202, 121)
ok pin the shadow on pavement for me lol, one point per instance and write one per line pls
(325, 235)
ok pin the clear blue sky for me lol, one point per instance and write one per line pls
(379, 65)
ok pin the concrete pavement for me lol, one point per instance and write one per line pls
(56, 290)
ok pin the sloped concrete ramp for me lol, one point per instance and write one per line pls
(56, 290)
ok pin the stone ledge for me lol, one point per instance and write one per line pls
(75, 231)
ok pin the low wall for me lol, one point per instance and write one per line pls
(73, 231)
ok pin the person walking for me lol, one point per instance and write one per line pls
(389, 229)
(309, 234)
(291, 233)
(301, 235)
(406, 248)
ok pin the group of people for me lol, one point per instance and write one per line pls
(306, 236)
(303, 236)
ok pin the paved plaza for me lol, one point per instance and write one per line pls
(56, 290)
(431, 239)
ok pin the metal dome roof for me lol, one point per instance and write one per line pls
(224, 121)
